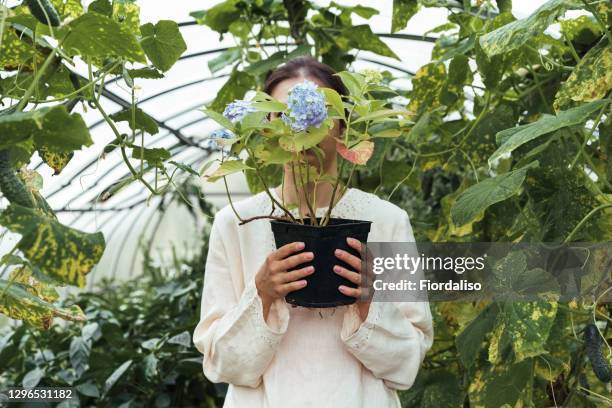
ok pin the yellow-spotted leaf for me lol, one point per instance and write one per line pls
(358, 153)
(426, 86)
(18, 302)
(517, 33)
(39, 289)
(54, 159)
(64, 253)
(14, 52)
(590, 80)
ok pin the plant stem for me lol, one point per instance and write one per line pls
(584, 220)
(24, 100)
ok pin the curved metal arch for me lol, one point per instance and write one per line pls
(175, 149)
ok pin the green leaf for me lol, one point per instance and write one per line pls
(64, 253)
(363, 38)
(96, 36)
(142, 120)
(479, 197)
(591, 79)
(226, 168)
(353, 82)
(303, 140)
(270, 106)
(103, 7)
(272, 154)
(403, 10)
(517, 33)
(501, 386)
(380, 114)
(517, 136)
(219, 118)
(226, 58)
(267, 64)
(236, 86)
(437, 388)
(55, 133)
(33, 377)
(218, 17)
(150, 366)
(334, 99)
(148, 73)
(470, 341)
(89, 389)
(114, 377)
(154, 156)
(163, 43)
(79, 351)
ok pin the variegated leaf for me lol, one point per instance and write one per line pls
(64, 253)
(590, 80)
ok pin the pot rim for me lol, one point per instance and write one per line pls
(349, 222)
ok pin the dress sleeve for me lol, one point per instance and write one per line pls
(395, 336)
(236, 341)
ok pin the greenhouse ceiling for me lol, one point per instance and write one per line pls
(80, 194)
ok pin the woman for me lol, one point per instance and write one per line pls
(274, 355)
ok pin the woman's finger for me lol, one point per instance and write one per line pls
(350, 275)
(286, 250)
(353, 292)
(350, 259)
(292, 286)
(291, 262)
(297, 274)
(356, 244)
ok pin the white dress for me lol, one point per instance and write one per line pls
(301, 357)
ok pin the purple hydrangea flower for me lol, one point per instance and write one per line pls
(306, 106)
(237, 110)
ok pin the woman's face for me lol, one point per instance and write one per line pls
(328, 145)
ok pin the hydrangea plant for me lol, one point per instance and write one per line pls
(254, 139)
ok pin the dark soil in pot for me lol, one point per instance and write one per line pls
(322, 288)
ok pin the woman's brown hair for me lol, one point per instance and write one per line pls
(307, 67)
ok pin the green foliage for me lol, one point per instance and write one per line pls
(163, 43)
(37, 81)
(498, 95)
(136, 332)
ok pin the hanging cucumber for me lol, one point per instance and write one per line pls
(11, 186)
(43, 10)
(593, 345)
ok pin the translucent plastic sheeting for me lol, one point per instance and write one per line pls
(128, 218)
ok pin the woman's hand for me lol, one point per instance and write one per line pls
(362, 293)
(276, 277)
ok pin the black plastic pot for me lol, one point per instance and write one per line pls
(322, 288)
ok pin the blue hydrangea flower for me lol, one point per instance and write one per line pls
(237, 110)
(212, 141)
(306, 106)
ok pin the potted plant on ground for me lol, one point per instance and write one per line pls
(263, 132)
